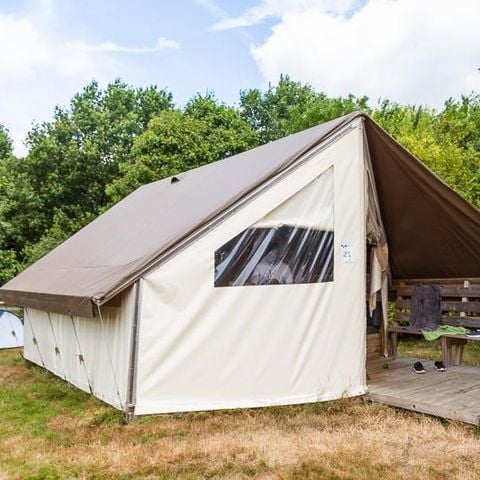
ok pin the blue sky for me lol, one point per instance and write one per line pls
(204, 60)
(410, 51)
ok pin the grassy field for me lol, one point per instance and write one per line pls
(417, 347)
(50, 430)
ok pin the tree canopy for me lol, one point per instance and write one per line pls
(111, 140)
(178, 140)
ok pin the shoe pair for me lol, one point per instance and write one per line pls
(473, 333)
(418, 367)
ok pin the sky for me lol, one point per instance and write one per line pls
(410, 51)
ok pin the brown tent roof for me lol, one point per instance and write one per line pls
(432, 232)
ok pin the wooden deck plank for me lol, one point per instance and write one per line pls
(411, 382)
(454, 394)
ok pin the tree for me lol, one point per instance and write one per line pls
(9, 264)
(175, 141)
(460, 122)
(5, 144)
(290, 107)
(70, 161)
(446, 141)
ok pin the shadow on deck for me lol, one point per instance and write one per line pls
(454, 394)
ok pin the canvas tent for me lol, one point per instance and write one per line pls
(243, 283)
(11, 330)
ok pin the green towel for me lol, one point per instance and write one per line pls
(431, 335)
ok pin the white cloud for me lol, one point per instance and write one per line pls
(40, 69)
(223, 20)
(163, 42)
(215, 10)
(112, 47)
(37, 72)
(277, 8)
(21, 47)
(406, 50)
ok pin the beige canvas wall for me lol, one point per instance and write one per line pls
(202, 347)
(62, 342)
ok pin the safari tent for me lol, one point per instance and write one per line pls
(11, 330)
(246, 282)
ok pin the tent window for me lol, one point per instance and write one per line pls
(292, 244)
(272, 256)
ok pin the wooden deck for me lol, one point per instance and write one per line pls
(454, 394)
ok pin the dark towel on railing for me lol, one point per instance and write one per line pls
(425, 307)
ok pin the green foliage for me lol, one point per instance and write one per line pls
(290, 107)
(9, 264)
(176, 141)
(62, 227)
(448, 142)
(60, 185)
(5, 143)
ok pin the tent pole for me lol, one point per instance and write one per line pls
(131, 390)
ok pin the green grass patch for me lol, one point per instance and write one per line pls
(107, 416)
(417, 347)
(30, 397)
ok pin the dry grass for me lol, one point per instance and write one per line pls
(51, 430)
